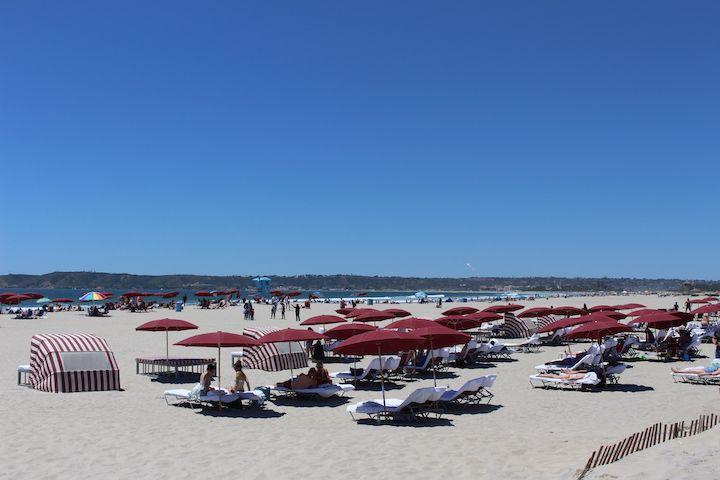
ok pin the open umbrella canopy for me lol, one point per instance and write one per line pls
(343, 311)
(510, 307)
(568, 311)
(439, 336)
(132, 294)
(356, 312)
(398, 312)
(380, 342)
(43, 300)
(203, 293)
(294, 293)
(375, 316)
(166, 324)
(597, 329)
(62, 300)
(343, 332)
(713, 308)
(699, 300)
(610, 313)
(571, 322)
(323, 320)
(535, 312)
(92, 297)
(629, 306)
(34, 295)
(602, 308)
(411, 323)
(290, 335)
(459, 322)
(660, 320)
(644, 311)
(169, 294)
(460, 311)
(711, 299)
(218, 340)
(14, 299)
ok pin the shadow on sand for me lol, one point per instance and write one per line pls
(304, 402)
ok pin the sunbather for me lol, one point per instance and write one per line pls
(322, 377)
(206, 380)
(241, 379)
(576, 375)
(303, 380)
(712, 369)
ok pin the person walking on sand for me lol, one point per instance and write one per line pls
(687, 305)
(297, 312)
(273, 310)
(282, 311)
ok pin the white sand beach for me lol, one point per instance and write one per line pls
(524, 433)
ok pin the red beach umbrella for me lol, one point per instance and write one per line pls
(356, 312)
(699, 300)
(380, 342)
(602, 308)
(568, 311)
(166, 325)
(170, 294)
(373, 317)
(294, 293)
(290, 335)
(458, 322)
(203, 293)
(323, 320)
(535, 312)
(343, 311)
(660, 320)
(713, 308)
(411, 323)
(219, 340)
(644, 311)
(510, 307)
(62, 300)
(629, 306)
(460, 311)
(131, 294)
(597, 329)
(14, 299)
(343, 332)
(610, 313)
(398, 312)
(438, 336)
(571, 322)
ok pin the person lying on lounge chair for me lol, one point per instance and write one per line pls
(576, 375)
(711, 370)
(303, 380)
(241, 379)
(322, 377)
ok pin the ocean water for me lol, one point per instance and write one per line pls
(333, 295)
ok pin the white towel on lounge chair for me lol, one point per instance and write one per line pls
(586, 360)
(590, 378)
(469, 387)
(222, 396)
(324, 391)
(369, 371)
(395, 405)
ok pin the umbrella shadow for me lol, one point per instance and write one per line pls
(418, 423)
(477, 365)
(251, 412)
(377, 386)
(471, 409)
(309, 402)
(626, 387)
(426, 375)
(343, 360)
(181, 378)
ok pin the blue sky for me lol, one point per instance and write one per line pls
(406, 138)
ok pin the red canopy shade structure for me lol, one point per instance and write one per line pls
(343, 332)
(610, 313)
(203, 293)
(571, 322)
(597, 329)
(380, 342)
(14, 299)
(132, 294)
(398, 312)
(699, 300)
(62, 300)
(411, 323)
(644, 311)
(711, 299)
(373, 317)
(602, 308)
(460, 311)
(33, 295)
(343, 311)
(166, 325)
(459, 322)
(323, 320)
(294, 293)
(535, 312)
(567, 311)
(356, 312)
(629, 306)
(714, 308)
(510, 307)
(219, 340)
(438, 336)
(660, 320)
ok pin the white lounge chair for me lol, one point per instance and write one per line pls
(551, 368)
(589, 379)
(181, 395)
(531, 344)
(472, 392)
(368, 373)
(696, 379)
(415, 405)
(321, 391)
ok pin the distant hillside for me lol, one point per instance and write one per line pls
(120, 281)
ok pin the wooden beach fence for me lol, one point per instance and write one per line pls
(651, 436)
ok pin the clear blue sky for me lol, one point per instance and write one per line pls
(405, 137)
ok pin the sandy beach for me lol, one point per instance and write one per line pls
(524, 433)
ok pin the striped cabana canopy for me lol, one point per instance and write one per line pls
(72, 363)
(514, 327)
(544, 321)
(272, 357)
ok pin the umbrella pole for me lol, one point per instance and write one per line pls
(382, 379)
(167, 351)
(432, 355)
(291, 369)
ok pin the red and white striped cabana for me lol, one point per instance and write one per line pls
(72, 363)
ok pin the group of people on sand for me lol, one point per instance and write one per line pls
(241, 380)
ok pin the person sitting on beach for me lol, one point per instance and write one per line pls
(206, 380)
(711, 370)
(308, 380)
(322, 377)
(241, 379)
